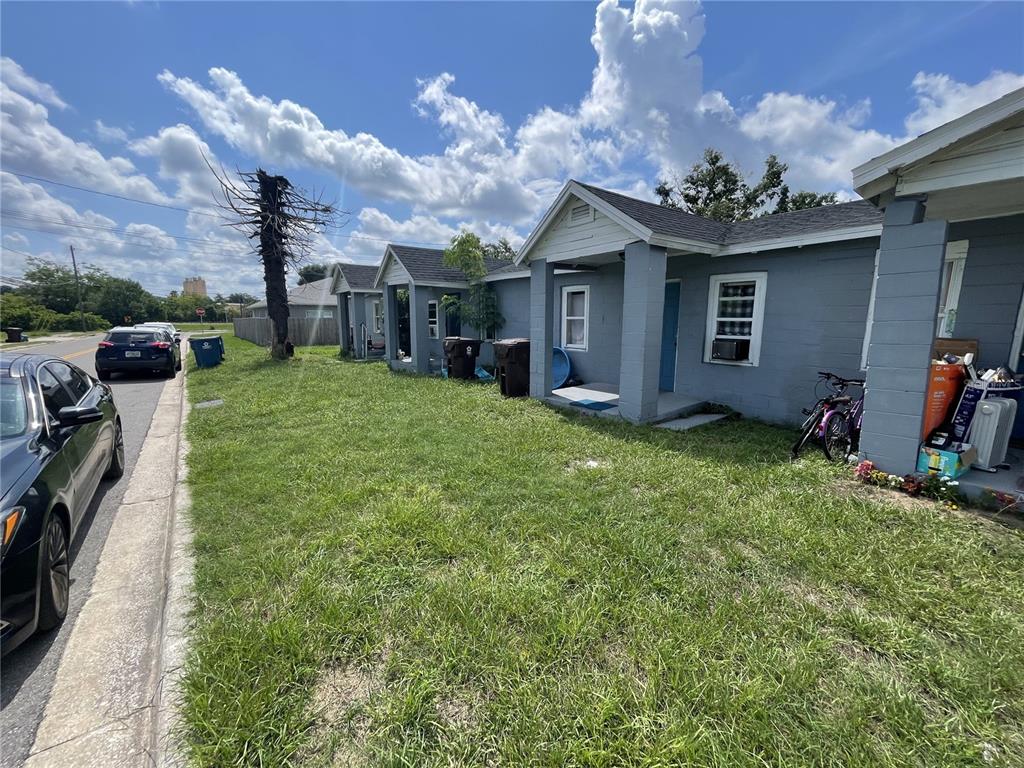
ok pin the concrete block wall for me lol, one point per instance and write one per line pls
(642, 318)
(910, 263)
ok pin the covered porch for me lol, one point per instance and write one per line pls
(950, 266)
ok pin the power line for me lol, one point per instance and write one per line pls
(333, 232)
(111, 194)
(164, 273)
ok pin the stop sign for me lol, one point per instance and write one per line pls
(200, 311)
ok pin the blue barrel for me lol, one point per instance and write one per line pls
(208, 350)
(561, 367)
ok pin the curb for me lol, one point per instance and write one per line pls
(114, 694)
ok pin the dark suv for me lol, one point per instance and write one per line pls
(137, 349)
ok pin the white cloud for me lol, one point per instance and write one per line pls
(941, 99)
(31, 144)
(110, 133)
(15, 78)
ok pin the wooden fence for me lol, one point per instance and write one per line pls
(303, 331)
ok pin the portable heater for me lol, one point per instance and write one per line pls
(990, 431)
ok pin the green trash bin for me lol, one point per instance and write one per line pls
(208, 350)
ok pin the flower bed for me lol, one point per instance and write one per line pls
(939, 487)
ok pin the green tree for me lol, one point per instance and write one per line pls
(716, 189)
(310, 273)
(479, 306)
(501, 250)
(242, 298)
(52, 285)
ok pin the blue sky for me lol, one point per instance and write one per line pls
(422, 118)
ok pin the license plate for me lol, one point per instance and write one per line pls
(129, 353)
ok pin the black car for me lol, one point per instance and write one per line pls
(59, 436)
(137, 349)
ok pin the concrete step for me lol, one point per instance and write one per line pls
(689, 422)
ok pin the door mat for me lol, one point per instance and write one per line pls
(594, 405)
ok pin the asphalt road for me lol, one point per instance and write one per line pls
(27, 673)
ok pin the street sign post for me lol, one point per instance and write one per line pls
(200, 311)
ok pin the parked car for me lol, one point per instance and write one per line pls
(135, 349)
(60, 435)
(169, 327)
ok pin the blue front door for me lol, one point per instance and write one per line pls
(669, 335)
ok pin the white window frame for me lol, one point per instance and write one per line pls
(871, 317)
(956, 256)
(760, 280)
(377, 307)
(585, 290)
(432, 326)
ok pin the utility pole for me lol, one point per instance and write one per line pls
(78, 287)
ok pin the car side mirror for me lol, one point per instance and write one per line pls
(75, 415)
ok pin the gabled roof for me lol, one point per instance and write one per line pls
(315, 294)
(679, 230)
(359, 277)
(426, 266)
(881, 173)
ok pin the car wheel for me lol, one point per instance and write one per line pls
(55, 579)
(116, 467)
(177, 365)
(102, 375)
(170, 371)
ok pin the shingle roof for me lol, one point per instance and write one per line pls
(839, 216)
(359, 276)
(426, 265)
(676, 223)
(662, 220)
(315, 294)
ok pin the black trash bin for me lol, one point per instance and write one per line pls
(13, 334)
(461, 354)
(512, 366)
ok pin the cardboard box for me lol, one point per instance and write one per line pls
(932, 461)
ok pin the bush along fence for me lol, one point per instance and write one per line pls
(302, 331)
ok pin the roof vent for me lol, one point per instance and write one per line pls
(580, 214)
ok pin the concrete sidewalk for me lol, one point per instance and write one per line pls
(112, 702)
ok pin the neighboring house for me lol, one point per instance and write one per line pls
(667, 309)
(310, 300)
(360, 309)
(950, 263)
(414, 282)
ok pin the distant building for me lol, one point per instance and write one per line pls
(194, 286)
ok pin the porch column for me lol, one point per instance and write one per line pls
(643, 300)
(390, 323)
(342, 315)
(418, 338)
(358, 319)
(542, 322)
(910, 262)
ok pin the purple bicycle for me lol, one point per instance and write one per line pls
(835, 419)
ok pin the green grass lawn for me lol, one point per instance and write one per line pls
(196, 327)
(395, 570)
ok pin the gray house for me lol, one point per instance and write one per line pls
(360, 309)
(665, 309)
(308, 300)
(414, 282)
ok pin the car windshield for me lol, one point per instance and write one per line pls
(133, 337)
(13, 412)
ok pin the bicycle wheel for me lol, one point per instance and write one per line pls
(806, 431)
(837, 442)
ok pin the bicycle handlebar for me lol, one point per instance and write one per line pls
(839, 379)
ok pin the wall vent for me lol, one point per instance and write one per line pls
(579, 214)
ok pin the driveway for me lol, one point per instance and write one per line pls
(27, 674)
